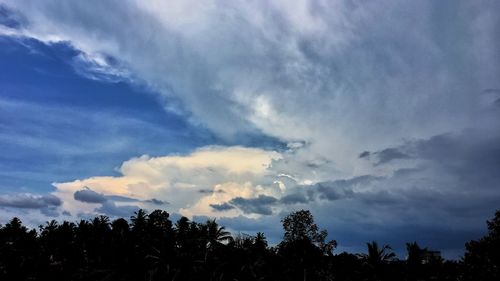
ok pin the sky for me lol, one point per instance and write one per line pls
(380, 117)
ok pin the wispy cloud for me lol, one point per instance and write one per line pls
(29, 201)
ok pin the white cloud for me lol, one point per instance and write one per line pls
(179, 179)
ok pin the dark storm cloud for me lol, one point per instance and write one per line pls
(470, 158)
(390, 154)
(449, 240)
(111, 209)
(469, 152)
(9, 18)
(89, 196)
(456, 172)
(364, 154)
(210, 191)
(156, 201)
(340, 189)
(474, 149)
(441, 198)
(441, 202)
(317, 163)
(294, 198)
(491, 91)
(468, 161)
(329, 191)
(119, 198)
(108, 205)
(222, 207)
(259, 205)
(50, 212)
(269, 225)
(29, 201)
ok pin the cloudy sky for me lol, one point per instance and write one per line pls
(381, 117)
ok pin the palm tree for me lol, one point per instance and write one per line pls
(18, 250)
(377, 258)
(377, 255)
(414, 261)
(215, 235)
(415, 254)
(139, 220)
(50, 226)
(260, 241)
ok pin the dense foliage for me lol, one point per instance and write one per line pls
(151, 247)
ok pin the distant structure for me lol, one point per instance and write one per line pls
(430, 256)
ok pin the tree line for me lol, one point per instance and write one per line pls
(152, 247)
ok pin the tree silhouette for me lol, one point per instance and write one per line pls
(414, 260)
(378, 255)
(151, 248)
(415, 254)
(377, 258)
(17, 251)
(303, 244)
(139, 221)
(300, 226)
(482, 257)
(260, 241)
(216, 234)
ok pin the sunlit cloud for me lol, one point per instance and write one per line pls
(226, 172)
